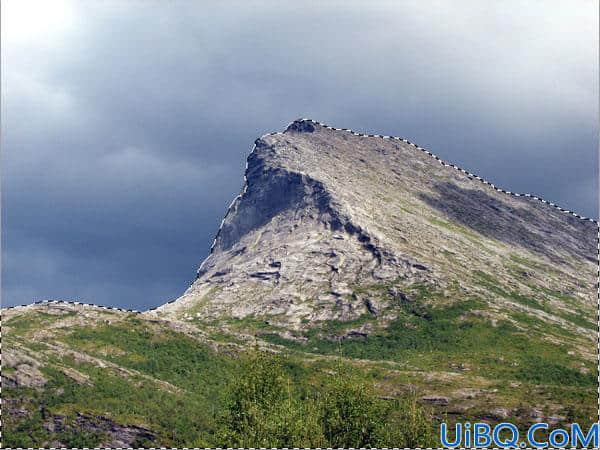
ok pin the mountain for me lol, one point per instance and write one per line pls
(342, 246)
(329, 219)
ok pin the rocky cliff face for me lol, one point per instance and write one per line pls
(335, 225)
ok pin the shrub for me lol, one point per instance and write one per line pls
(261, 410)
(352, 415)
(264, 408)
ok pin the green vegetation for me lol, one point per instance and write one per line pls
(493, 285)
(35, 319)
(456, 228)
(256, 401)
(266, 408)
(162, 354)
(531, 264)
(431, 337)
(329, 388)
(174, 390)
(177, 418)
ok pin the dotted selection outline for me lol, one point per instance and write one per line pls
(241, 194)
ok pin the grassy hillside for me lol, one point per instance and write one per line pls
(80, 376)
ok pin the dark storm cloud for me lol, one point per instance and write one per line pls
(126, 125)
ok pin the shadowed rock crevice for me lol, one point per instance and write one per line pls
(270, 192)
(274, 190)
(525, 226)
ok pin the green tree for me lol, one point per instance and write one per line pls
(352, 415)
(265, 408)
(262, 410)
(411, 426)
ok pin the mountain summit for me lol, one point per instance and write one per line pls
(333, 224)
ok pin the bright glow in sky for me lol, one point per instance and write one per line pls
(33, 20)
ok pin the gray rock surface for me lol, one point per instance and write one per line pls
(117, 435)
(327, 218)
(23, 370)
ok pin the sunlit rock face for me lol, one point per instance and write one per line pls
(334, 225)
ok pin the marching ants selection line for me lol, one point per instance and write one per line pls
(67, 302)
(448, 165)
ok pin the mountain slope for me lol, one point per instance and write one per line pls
(326, 216)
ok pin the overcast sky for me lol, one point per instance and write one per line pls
(125, 125)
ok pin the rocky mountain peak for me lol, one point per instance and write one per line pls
(328, 219)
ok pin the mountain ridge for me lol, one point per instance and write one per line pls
(307, 125)
(328, 197)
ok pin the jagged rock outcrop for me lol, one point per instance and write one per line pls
(21, 369)
(328, 218)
